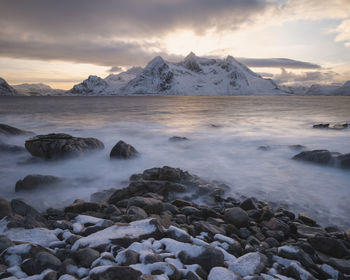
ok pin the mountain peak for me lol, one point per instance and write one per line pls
(190, 56)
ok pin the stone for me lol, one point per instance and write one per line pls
(32, 216)
(202, 226)
(129, 257)
(222, 273)
(316, 156)
(209, 258)
(136, 213)
(152, 258)
(5, 208)
(123, 150)
(305, 231)
(7, 148)
(343, 161)
(340, 264)
(306, 219)
(36, 181)
(150, 205)
(53, 146)
(321, 125)
(249, 264)
(249, 204)
(296, 271)
(178, 139)
(264, 148)
(81, 206)
(12, 131)
(114, 273)
(330, 246)
(178, 234)
(297, 147)
(5, 243)
(295, 253)
(277, 225)
(44, 260)
(236, 216)
(86, 256)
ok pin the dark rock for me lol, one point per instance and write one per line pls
(81, 206)
(171, 208)
(54, 146)
(249, 264)
(150, 205)
(178, 234)
(12, 131)
(236, 216)
(264, 148)
(189, 210)
(101, 196)
(86, 256)
(202, 226)
(272, 242)
(306, 219)
(5, 208)
(35, 181)
(343, 161)
(209, 258)
(321, 125)
(338, 126)
(5, 243)
(152, 258)
(276, 224)
(330, 246)
(181, 203)
(130, 257)
(115, 273)
(294, 253)
(21, 208)
(305, 231)
(123, 150)
(51, 275)
(136, 213)
(249, 204)
(297, 147)
(324, 157)
(44, 260)
(166, 173)
(177, 139)
(296, 271)
(340, 264)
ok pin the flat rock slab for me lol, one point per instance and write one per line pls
(52, 146)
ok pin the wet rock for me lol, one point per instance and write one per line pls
(5, 208)
(32, 217)
(236, 216)
(181, 203)
(264, 148)
(330, 246)
(306, 219)
(295, 253)
(101, 195)
(340, 264)
(329, 272)
(136, 213)
(276, 224)
(209, 258)
(297, 147)
(177, 139)
(296, 271)
(114, 273)
(321, 125)
(123, 150)
(52, 146)
(221, 273)
(249, 264)
(343, 161)
(202, 226)
(12, 131)
(150, 205)
(305, 231)
(249, 204)
(324, 157)
(166, 173)
(35, 181)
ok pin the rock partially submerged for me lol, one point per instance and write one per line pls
(178, 139)
(325, 157)
(337, 126)
(52, 146)
(36, 181)
(12, 131)
(123, 150)
(7, 148)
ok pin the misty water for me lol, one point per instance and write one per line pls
(224, 133)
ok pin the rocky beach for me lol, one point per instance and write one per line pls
(165, 223)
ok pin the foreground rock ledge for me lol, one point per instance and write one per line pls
(153, 229)
(52, 146)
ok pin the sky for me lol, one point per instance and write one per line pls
(60, 43)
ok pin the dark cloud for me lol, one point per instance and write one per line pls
(278, 62)
(304, 78)
(115, 69)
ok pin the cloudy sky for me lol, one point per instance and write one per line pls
(62, 42)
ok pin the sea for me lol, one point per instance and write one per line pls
(224, 134)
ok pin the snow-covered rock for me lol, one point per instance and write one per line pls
(221, 273)
(37, 89)
(91, 86)
(6, 89)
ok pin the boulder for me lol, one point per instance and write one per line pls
(316, 156)
(5, 208)
(222, 273)
(330, 246)
(44, 260)
(36, 181)
(123, 150)
(114, 273)
(136, 213)
(207, 259)
(32, 216)
(236, 216)
(81, 206)
(52, 146)
(12, 131)
(6, 148)
(340, 264)
(86, 256)
(296, 271)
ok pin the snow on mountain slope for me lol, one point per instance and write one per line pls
(200, 76)
(37, 89)
(318, 89)
(6, 89)
(192, 76)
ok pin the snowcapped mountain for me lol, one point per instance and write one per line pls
(37, 89)
(318, 89)
(6, 89)
(192, 76)
(200, 76)
(343, 90)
